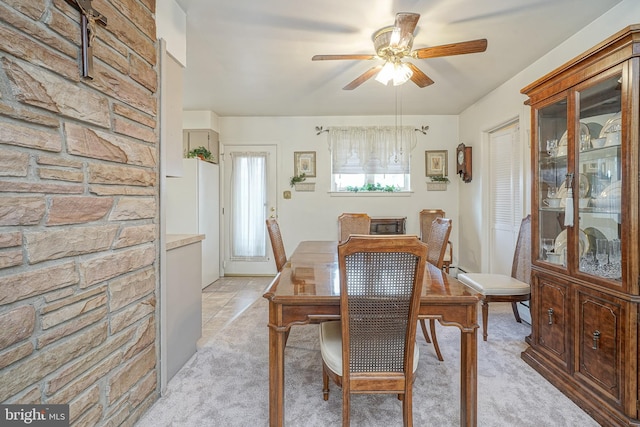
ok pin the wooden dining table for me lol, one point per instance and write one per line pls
(307, 290)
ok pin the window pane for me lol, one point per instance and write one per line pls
(249, 200)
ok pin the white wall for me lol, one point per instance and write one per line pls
(313, 215)
(171, 25)
(505, 103)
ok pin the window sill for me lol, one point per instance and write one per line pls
(370, 193)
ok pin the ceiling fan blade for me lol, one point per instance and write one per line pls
(363, 77)
(406, 22)
(331, 57)
(418, 77)
(472, 46)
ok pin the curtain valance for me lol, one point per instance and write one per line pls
(371, 149)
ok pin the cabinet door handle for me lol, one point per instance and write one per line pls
(550, 314)
(596, 339)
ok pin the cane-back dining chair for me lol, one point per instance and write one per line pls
(437, 244)
(503, 288)
(372, 349)
(353, 223)
(279, 254)
(426, 218)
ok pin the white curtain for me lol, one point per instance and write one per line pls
(372, 149)
(248, 198)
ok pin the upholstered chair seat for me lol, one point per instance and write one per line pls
(331, 347)
(492, 284)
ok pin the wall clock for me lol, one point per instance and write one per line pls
(463, 162)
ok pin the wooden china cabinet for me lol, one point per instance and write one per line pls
(585, 228)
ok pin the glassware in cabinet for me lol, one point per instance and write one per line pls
(552, 170)
(599, 167)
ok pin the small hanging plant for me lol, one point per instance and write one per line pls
(296, 179)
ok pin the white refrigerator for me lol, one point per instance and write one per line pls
(193, 207)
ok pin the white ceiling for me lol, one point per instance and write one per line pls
(253, 57)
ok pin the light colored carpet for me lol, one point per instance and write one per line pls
(226, 383)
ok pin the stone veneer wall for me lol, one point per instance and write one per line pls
(79, 210)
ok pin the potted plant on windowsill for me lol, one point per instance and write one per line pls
(377, 187)
(438, 183)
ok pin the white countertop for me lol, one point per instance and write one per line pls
(174, 241)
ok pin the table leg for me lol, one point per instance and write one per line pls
(469, 378)
(276, 376)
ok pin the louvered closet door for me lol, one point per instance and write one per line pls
(506, 192)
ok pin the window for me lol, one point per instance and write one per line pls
(375, 157)
(248, 205)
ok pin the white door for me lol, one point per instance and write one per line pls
(250, 198)
(506, 192)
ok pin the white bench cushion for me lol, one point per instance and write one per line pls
(331, 347)
(494, 284)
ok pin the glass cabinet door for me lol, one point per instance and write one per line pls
(599, 178)
(552, 171)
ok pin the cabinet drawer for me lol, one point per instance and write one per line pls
(552, 317)
(599, 329)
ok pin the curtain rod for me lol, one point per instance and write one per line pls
(423, 130)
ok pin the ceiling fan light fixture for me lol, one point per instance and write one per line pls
(401, 74)
(393, 44)
(386, 74)
(389, 41)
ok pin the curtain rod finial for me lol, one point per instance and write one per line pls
(319, 130)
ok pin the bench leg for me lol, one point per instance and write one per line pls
(514, 306)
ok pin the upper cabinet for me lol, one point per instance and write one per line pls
(585, 227)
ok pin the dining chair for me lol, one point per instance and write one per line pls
(439, 233)
(372, 349)
(353, 223)
(279, 254)
(503, 288)
(426, 218)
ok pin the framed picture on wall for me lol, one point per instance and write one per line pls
(304, 162)
(436, 163)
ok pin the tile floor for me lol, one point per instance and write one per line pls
(226, 298)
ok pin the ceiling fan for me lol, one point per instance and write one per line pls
(393, 44)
